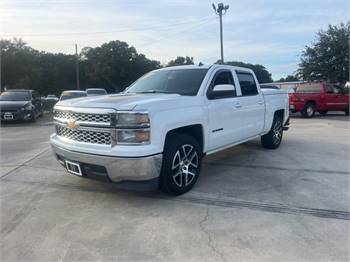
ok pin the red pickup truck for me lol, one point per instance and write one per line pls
(321, 97)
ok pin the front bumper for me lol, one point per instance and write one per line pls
(114, 169)
(17, 115)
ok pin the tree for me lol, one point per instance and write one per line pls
(260, 71)
(114, 65)
(289, 78)
(328, 57)
(180, 60)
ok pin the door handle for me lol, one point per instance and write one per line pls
(260, 102)
(238, 105)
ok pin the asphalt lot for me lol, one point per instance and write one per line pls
(250, 204)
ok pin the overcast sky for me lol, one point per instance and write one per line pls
(270, 32)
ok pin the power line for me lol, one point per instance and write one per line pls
(175, 34)
(109, 32)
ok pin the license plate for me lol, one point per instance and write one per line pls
(8, 116)
(292, 106)
(73, 168)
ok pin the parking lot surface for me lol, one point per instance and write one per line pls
(249, 204)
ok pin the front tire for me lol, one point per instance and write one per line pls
(182, 160)
(273, 139)
(309, 110)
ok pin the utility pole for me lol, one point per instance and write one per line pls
(0, 69)
(221, 10)
(77, 66)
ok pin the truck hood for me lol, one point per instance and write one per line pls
(117, 101)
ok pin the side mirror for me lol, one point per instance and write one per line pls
(220, 88)
(222, 91)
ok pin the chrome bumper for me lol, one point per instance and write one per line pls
(118, 168)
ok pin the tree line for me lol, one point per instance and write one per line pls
(115, 65)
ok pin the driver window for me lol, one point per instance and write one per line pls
(224, 78)
(329, 89)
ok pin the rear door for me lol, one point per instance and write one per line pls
(252, 106)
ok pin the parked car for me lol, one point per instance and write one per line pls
(20, 104)
(52, 98)
(69, 94)
(158, 130)
(319, 97)
(96, 91)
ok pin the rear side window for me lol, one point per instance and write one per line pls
(247, 83)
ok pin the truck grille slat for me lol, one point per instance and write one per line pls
(86, 117)
(101, 135)
(86, 136)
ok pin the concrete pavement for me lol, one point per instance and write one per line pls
(250, 204)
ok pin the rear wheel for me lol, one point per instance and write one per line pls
(324, 112)
(181, 164)
(347, 111)
(273, 139)
(309, 110)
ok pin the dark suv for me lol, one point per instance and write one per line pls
(20, 104)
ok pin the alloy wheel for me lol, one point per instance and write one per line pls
(185, 165)
(277, 132)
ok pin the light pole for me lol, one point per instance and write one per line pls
(221, 10)
(77, 67)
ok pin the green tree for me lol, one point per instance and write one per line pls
(180, 60)
(114, 65)
(289, 78)
(260, 71)
(328, 57)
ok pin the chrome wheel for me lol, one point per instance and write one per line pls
(310, 111)
(277, 132)
(185, 165)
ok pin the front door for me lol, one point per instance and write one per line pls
(225, 119)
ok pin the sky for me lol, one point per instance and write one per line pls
(271, 32)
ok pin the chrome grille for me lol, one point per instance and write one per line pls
(86, 136)
(86, 117)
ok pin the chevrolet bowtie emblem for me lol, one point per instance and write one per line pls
(72, 124)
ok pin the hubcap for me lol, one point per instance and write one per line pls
(277, 132)
(309, 111)
(185, 165)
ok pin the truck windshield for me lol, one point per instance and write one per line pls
(15, 96)
(177, 81)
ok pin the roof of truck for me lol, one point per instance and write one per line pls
(205, 67)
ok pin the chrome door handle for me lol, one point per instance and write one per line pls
(238, 105)
(260, 102)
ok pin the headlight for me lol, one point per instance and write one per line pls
(27, 107)
(133, 136)
(132, 119)
(132, 128)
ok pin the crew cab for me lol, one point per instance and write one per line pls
(321, 97)
(157, 131)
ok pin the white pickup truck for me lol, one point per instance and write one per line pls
(157, 131)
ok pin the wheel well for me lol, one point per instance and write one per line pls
(280, 113)
(310, 102)
(194, 130)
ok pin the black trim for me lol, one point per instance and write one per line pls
(220, 94)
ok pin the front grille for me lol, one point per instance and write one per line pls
(86, 136)
(86, 117)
